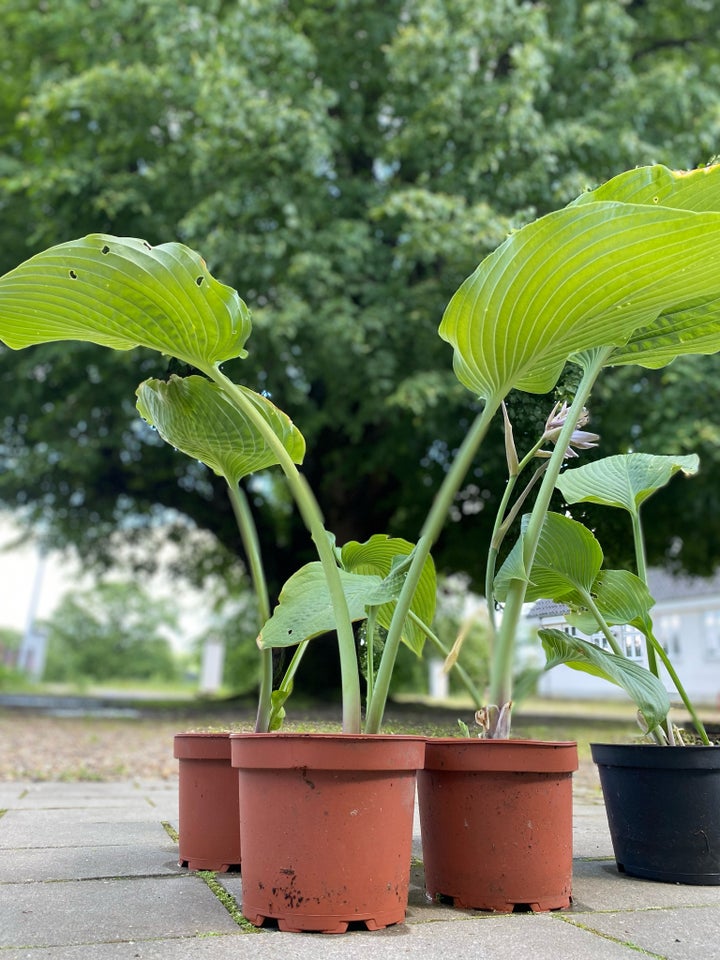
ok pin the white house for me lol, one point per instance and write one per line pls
(686, 618)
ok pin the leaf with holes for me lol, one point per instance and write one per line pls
(122, 293)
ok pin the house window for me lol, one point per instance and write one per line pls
(712, 634)
(632, 641)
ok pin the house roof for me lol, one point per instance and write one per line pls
(547, 608)
(667, 586)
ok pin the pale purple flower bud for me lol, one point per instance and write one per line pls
(580, 439)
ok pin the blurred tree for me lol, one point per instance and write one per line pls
(668, 411)
(344, 166)
(10, 677)
(114, 631)
(10, 640)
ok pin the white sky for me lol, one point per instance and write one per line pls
(19, 577)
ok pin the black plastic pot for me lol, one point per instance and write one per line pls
(663, 810)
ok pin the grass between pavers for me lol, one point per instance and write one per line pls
(210, 879)
(171, 831)
(227, 900)
(606, 936)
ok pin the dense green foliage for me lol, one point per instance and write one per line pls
(10, 677)
(113, 631)
(10, 640)
(344, 167)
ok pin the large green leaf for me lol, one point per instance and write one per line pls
(657, 185)
(625, 480)
(196, 416)
(645, 690)
(567, 569)
(567, 561)
(121, 293)
(620, 596)
(305, 610)
(594, 274)
(380, 555)
(689, 327)
(369, 579)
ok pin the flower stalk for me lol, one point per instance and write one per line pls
(592, 362)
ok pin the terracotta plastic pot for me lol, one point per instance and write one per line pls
(663, 808)
(496, 822)
(326, 828)
(209, 820)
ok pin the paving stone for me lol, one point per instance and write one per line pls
(32, 832)
(591, 835)
(11, 792)
(686, 933)
(103, 884)
(159, 799)
(597, 885)
(50, 818)
(80, 801)
(83, 788)
(218, 947)
(541, 938)
(41, 793)
(98, 911)
(83, 863)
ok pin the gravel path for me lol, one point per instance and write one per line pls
(36, 747)
(40, 747)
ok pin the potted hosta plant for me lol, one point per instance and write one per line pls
(662, 795)
(122, 293)
(595, 283)
(500, 802)
(614, 278)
